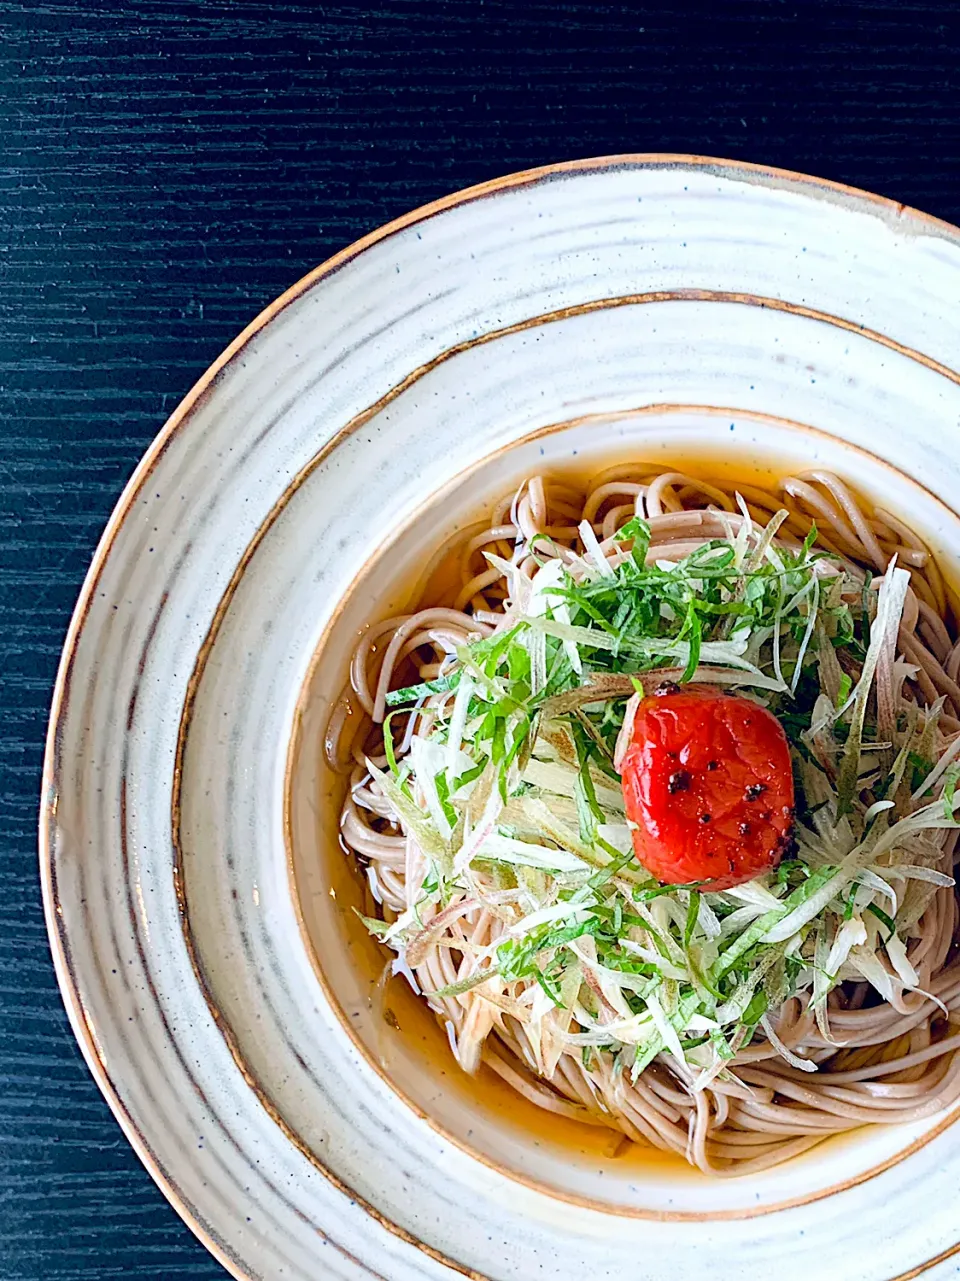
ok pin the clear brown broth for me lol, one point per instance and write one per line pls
(402, 1013)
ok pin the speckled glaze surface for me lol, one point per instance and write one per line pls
(653, 305)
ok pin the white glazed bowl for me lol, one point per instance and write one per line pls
(644, 306)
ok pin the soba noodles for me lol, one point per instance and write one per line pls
(736, 1028)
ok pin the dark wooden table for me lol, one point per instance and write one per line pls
(168, 168)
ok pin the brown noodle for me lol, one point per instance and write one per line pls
(898, 1063)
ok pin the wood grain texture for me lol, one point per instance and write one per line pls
(167, 168)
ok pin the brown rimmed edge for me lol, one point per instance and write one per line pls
(294, 746)
(756, 174)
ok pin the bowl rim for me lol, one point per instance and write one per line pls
(295, 746)
(67, 979)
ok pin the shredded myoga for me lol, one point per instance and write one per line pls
(657, 809)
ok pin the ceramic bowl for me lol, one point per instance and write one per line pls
(198, 904)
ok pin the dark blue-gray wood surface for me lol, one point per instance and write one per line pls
(166, 169)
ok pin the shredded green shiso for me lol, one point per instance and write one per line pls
(509, 792)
